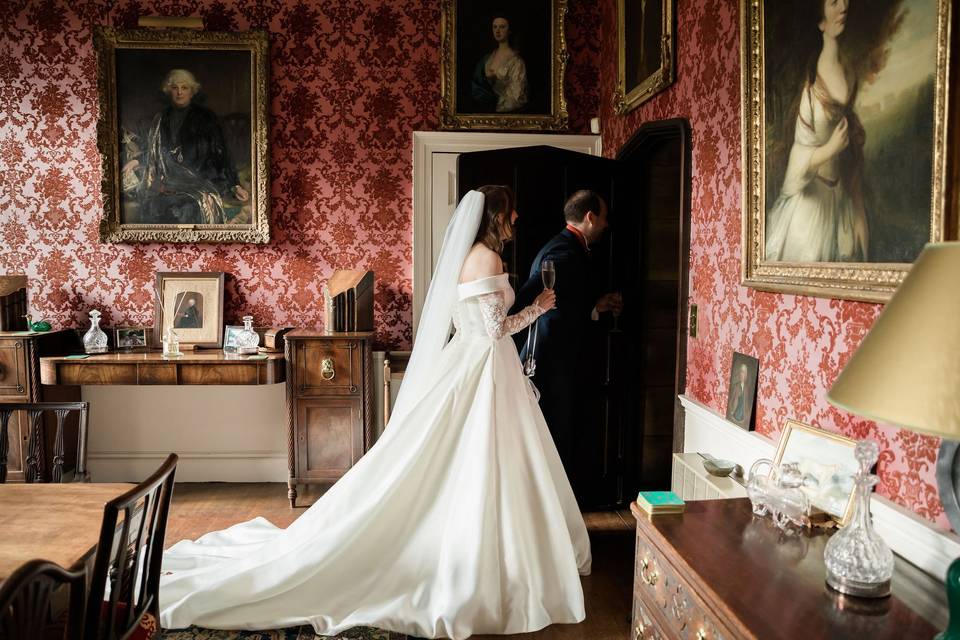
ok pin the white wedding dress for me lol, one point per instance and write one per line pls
(459, 521)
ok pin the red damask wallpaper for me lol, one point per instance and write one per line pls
(802, 342)
(351, 80)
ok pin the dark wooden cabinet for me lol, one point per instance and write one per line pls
(718, 572)
(329, 405)
(20, 382)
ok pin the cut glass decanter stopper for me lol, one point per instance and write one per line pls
(859, 562)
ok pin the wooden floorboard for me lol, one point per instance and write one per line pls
(198, 508)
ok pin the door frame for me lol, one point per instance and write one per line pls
(651, 133)
(425, 144)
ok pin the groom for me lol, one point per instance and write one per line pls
(561, 331)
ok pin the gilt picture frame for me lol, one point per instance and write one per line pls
(826, 457)
(182, 135)
(503, 70)
(844, 144)
(646, 37)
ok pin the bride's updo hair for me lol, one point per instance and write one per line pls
(498, 205)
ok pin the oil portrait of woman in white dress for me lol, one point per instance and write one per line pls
(849, 129)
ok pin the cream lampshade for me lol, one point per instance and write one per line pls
(907, 372)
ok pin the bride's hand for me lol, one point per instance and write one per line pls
(546, 300)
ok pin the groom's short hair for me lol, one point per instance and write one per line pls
(580, 203)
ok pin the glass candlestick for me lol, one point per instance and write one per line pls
(95, 340)
(859, 562)
(247, 338)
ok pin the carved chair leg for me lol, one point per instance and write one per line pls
(292, 493)
(34, 470)
(4, 444)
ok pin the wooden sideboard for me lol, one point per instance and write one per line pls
(151, 368)
(717, 572)
(20, 354)
(329, 405)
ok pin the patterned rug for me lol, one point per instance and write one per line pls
(293, 633)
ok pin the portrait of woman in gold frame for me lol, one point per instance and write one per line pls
(645, 44)
(844, 139)
(503, 69)
(183, 135)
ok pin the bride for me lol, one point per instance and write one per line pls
(459, 521)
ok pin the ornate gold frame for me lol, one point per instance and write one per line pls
(626, 99)
(107, 40)
(794, 425)
(556, 120)
(873, 282)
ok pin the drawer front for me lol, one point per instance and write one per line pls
(13, 371)
(329, 367)
(644, 625)
(672, 599)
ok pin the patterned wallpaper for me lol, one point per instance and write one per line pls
(350, 81)
(802, 342)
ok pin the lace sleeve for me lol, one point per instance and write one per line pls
(496, 320)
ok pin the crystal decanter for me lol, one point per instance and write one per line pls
(95, 340)
(859, 562)
(247, 338)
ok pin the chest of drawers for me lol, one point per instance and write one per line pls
(715, 572)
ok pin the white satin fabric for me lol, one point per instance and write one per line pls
(459, 521)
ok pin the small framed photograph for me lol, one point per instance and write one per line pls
(827, 458)
(192, 305)
(742, 390)
(133, 338)
(230, 333)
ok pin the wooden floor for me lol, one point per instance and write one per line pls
(201, 507)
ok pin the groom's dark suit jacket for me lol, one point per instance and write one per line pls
(560, 337)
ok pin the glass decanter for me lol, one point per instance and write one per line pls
(95, 340)
(171, 344)
(859, 562)
(247, 338)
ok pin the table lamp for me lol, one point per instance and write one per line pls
(906, 372)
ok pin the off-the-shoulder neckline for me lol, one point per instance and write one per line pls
(499, 275)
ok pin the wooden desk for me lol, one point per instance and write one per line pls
(57, 522)
(716, 571)
(151, 368)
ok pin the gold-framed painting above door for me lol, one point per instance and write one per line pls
(844, 109)
(646, 38)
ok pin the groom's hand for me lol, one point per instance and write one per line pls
(610, 302)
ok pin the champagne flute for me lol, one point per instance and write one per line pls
(548, 273)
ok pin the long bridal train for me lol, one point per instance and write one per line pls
(459, 521)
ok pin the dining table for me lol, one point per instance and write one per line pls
(56, 522)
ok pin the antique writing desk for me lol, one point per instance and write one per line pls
(150, 368)
(716, 571)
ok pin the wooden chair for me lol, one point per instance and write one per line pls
(26, 600)
(130, 561)
(34, 467)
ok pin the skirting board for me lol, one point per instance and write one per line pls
(907, 534)
(201, 466)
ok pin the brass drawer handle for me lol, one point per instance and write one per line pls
(639, 631)
(701, 635)
(326, 369)
(651, 578)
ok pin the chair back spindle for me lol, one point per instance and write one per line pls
(27, 598)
